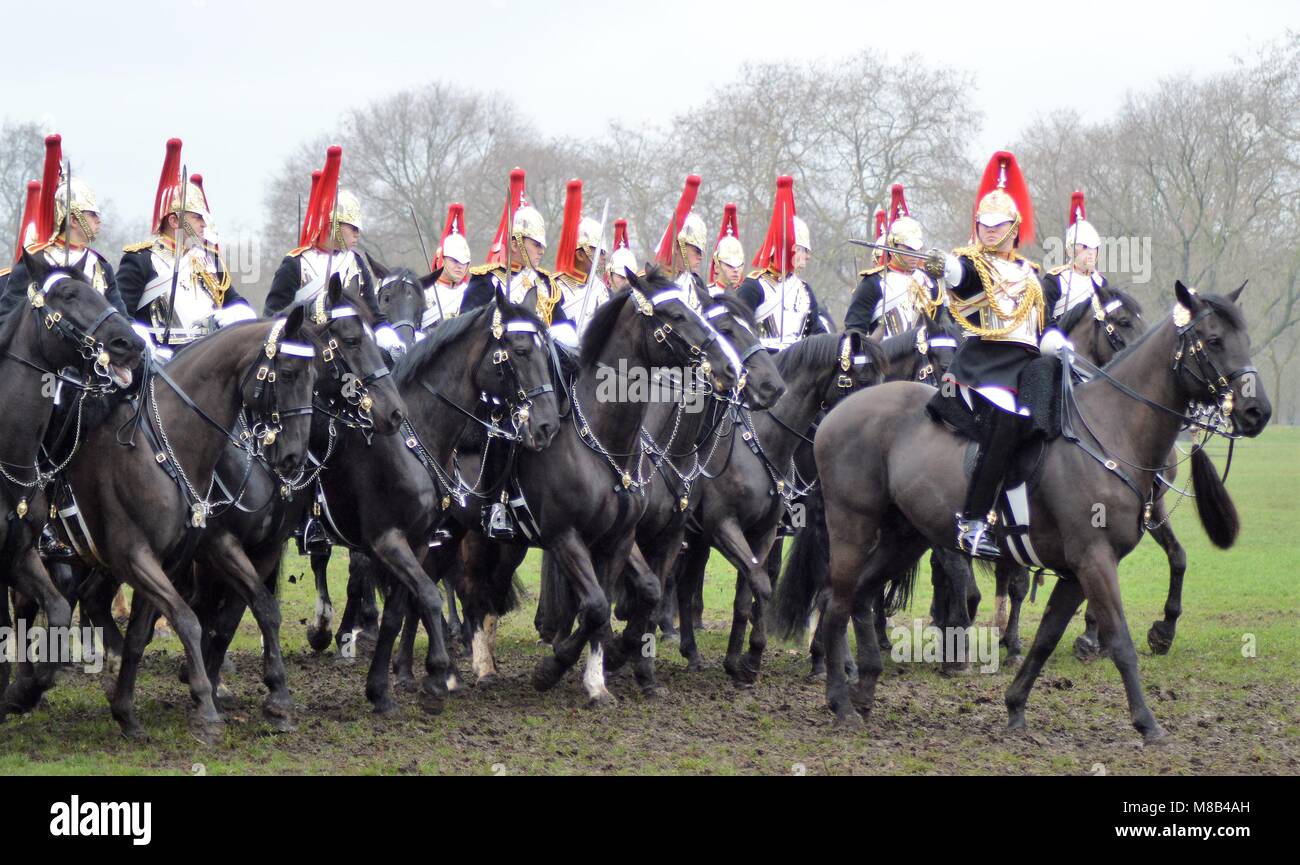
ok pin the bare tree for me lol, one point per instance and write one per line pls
(21, 155)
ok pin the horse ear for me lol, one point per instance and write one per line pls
(635, 281)
(1186, 296)
(1236, 294)
(35, 267)
(293, 321)
(335, 290)
(430, 280)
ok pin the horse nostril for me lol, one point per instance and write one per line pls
(396, 417)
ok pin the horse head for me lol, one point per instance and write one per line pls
(1214, 358)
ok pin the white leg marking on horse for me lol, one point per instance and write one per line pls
(484, 646)
(594, 677)
(814, 619)
(1000, 614)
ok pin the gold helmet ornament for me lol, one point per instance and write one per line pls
(528, 223)
(727, 249)
(693, 232)
(591, 236)
(348, 209)
(730, 252)
(456, 247)
(906, 233)
(622, 262)
(83, 202)
(802, 236)
(171, 197)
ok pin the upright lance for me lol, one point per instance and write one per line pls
(67, 219)
(424, 250)
(591, 267)
(176, 257)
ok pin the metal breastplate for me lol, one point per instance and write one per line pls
(88, 264)
(1075, 289)
(315, 262)
(1014, 282)
(442, 301)
(574, 301)
(195, 301)
(901, 303)
(783, 314)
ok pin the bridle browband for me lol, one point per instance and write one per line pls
(90, 349)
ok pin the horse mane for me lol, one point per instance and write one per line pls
(1075, 314)
(900, 345)
(817, 350)
(734, 306)
(1227, 309)
(421, 355)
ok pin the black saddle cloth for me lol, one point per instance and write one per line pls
(1039, 390)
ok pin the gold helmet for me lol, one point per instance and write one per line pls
(802, 236)
(906, 233)
(83, 202)
(528, 223)
(622, 261)
(693, 232)
(347, 209)
(591, 236)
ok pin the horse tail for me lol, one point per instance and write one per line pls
(807, 572)
(555, 596)
(1213, 504)
(898, 589)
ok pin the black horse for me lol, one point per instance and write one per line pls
(67, 339)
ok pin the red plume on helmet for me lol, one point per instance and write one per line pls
(620, 234)
(729, 228)
(311, 203)
(514, 200)
(1077, 211)
(664, 252)
(53, 169)
(316, 230)
(897, 203)
(169, 182)
(197, 180)
(455, 225)
(1003, 172)
(882, 222)
(27, 234)
(771, 255)
(566, 252)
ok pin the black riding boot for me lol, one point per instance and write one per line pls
(974, 534)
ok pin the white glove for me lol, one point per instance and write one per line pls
(143, 332)
(388, 340)
(564, 333)
(163, 354)
(1052, 342)
(234, 313)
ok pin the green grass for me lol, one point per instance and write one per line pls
(1227, 712)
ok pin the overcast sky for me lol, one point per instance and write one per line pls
(242, 82)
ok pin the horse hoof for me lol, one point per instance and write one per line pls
(1011, 661)
(654, 691)
(132, 731)
(547, 673)
(885, 644)
(407, 683)
(207, 732)
(694, 665)
(956, 670)
(602, 700)
(384, 707)
(815, 676)
(1155, 737)
(1086, 649)
(849, 721)
(1160, 638)
(486, 681)
(318, 638)
(366, 642)
(280, 723)
(431, 703)
(224, 699)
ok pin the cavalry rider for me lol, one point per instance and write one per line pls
(582, 242)
(995, 295)
(896, 292)
(783, 304)
(728, 267)
(451, 263)
(327, 245)
(1078, 280)
(681, 249)
(512, 265)
(622, 261)
(65, 225)
(204, 293)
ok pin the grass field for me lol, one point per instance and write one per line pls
(1227, 692)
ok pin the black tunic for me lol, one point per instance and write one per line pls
(15, 288)
(987, 363)
(482, 288)
(137, 270)
(866, 297)
(288, 279)
(1052, 294)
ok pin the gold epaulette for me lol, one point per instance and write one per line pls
(480, 269)
(136, 247)
(569, 280)
(758, 274)
(5, 271)
(1057, 271)
(545, 273)
(37, 247)
(1033, 264)
(870, 270)
(294, 253)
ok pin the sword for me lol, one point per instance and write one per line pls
(591, 269)
(67, 219)
(914, 253)
(780, 319)
(176, 258)
(425, 252)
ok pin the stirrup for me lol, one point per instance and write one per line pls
(314, 537)
(976, 538)
(786, 528)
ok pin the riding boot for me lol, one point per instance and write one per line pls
(974, 525)
(50, 547)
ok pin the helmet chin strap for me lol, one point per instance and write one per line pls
(996, 247)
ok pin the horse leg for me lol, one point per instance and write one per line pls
(149, 579)
(770, 548)
(377, 686)
(574, 563)
(1061, 606)
(849, 561)
(690, 571)
(637, 640)
(95, 597)
(1101, 585)
(394, 553)
(319, 631)
(6, 623)
(666, 614)
(732, 542)
(1161, 635)
(32, 580)
(1017, 585)
(959, 578)
(404, 658)
(227, 558)
(870, 662)
(1088, 645)
(139, 630)
(817, 644)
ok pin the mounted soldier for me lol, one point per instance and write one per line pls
(622, 260)
(997, 298)
(784, 305)
(451, 262)
(1078, 280)
(895, 292)
(328, 245)
(582, 242)
(681, 249)
(727, 270)
(513, 265)
(204, 296)
(67, 220)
